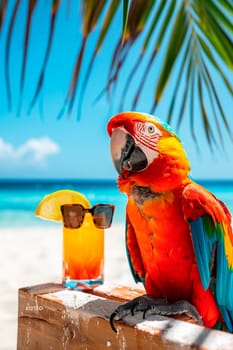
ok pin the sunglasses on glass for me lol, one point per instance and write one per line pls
(73, 215)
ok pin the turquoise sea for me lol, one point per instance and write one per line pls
(19, 199)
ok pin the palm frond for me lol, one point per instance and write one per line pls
(220, 17)
(187, 63)
(3, 7)
(187, 41)
(30, 11)
(53, 16)
(125, 17)
(192, 106)
(104, 30)
(190, 63)
(215, 34)
(139, 61)
(91, 12)
(177, 37)
(165, 25)
(7, 52)
(138, 14)
(199, 22)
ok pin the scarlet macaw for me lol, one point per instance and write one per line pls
(179, 237)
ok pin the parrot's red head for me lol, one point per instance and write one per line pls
(146, 152)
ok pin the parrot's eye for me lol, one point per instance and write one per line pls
(150, 129)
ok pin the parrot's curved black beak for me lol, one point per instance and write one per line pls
(126, 155)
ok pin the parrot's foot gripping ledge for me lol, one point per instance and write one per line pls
(52, 317)
(151, 307)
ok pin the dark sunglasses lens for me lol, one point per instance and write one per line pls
(73, 215)
(103, 216)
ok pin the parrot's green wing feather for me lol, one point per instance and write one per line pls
(134, 255)
(210, 224)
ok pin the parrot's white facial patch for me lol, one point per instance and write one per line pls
(147, 134)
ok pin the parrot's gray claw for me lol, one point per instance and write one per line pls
(112, 318)
(142, 303)
(151, 306)
(178, 308)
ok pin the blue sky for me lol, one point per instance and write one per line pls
(40, 146)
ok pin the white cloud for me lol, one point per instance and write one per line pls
(34, 149)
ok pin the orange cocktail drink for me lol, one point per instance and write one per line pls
(83, 255)
(83, 243)
(83, 235)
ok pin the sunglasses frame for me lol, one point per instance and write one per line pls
(91, 211)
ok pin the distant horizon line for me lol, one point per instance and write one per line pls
(89, 180)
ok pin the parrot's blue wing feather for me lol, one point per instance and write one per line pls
(203, 247)
(224, 287)
(208, 242)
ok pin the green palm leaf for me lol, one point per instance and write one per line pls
(104, 30)
(125, 17)
(179, 31)
(7, 52)
(91, 12)
(30, 11)
(184, 41)
(54, 10)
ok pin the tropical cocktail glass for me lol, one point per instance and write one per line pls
(83, 243)
(83, 236)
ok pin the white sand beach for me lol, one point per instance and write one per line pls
(30, 256)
